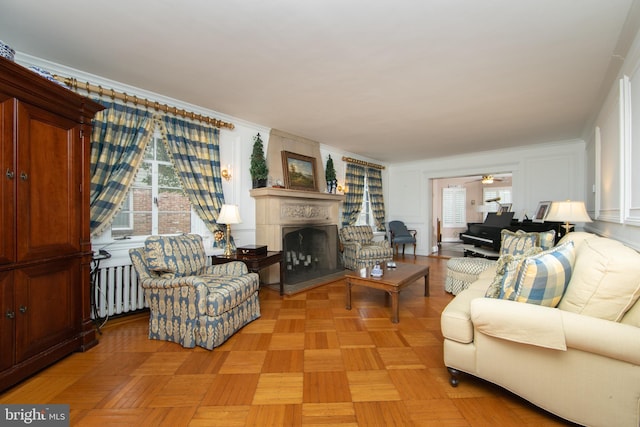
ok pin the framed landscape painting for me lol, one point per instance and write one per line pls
(299, 171)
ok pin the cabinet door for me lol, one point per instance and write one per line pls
(7, 182)
(7, 321)
(49, 173)
(47, 300)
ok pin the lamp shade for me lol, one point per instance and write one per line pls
(229, 214)
(568, 211)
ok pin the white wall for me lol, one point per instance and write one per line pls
(613, 156)
(550, 171)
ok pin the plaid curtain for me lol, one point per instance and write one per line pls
(195, 150)
(355, 192)
(374, 182)
(119, 138)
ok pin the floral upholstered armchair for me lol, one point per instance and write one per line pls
(359, 248)
(192, 303)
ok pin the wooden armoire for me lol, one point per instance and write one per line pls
(45, 247)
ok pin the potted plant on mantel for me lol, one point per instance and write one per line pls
(330, 176)
(259, 170)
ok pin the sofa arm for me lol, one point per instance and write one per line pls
(556, 329)
(605, 337)
(519, 322)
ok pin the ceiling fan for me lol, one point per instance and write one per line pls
(487, 179)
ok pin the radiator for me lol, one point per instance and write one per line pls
(116, 291)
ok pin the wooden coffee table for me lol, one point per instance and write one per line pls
(392, 281)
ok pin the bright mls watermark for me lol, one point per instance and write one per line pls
(34, 415)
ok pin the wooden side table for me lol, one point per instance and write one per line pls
(255, 264)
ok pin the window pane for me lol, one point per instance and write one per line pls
(143, 223)
(144, 175)
(454, 207)
(161, 151)
(135, 217)
(149, 153)
(174, 222)
(167, 177)
(156, 204)
(170, 199)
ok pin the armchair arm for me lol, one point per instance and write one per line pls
(177, 282)
(382, 243)
(233, 268)
(174, 289)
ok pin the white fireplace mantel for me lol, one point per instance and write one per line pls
(278, 207)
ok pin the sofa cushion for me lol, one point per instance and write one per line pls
(543, 278)
(175, 256)
(632, 316)
(516, 243)
(546, 239)
(606, 281)
(577, 237)
(493, 291)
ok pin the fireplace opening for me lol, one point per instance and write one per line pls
(310, 252)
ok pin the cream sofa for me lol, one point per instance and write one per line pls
(581, 360)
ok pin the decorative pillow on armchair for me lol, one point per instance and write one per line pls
(175, 256)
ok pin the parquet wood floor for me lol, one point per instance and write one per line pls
(306, 362)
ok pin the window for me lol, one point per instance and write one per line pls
(156, 203)
(454, 212)
(366, 213)
(493, 192)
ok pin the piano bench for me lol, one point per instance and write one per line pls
(463, 271)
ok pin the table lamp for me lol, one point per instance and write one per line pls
(229, 214)
(567, 211)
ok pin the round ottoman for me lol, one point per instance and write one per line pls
(463, 271)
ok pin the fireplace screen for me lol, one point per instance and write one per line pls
(310, 252)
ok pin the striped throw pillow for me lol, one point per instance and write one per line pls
(543, 278)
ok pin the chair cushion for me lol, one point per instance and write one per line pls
(403, 239)
(606, 282)
(400, 232)
(175, 256)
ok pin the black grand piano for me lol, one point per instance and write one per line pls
(488, 233)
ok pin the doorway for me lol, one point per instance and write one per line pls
(460, 200)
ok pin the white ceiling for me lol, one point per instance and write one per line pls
(390, 80)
